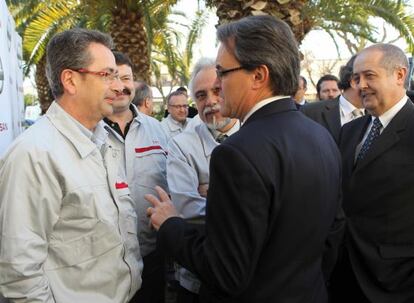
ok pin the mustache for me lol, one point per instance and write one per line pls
(126, 91)
(209, 109)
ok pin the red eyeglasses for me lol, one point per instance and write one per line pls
(107, 76)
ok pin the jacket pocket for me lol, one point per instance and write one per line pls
(96, 243)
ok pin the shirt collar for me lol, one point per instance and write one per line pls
(386, 117)
(260, 104)
(231, 131)
(346, 106)
(174, 125)
(302, 102)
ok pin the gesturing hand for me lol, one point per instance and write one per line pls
(162, 208)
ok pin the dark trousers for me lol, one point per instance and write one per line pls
(153, 282)
(344, 286)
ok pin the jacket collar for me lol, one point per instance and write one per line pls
(83, 140)
(206, 138)
(280, 105)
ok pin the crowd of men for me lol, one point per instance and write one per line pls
(263, 197)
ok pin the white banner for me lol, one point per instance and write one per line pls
(11, 80)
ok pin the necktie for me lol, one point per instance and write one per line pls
(356, 113)
(372, 136)
(220, 138)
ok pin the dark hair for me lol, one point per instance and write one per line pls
(325, 78)
(69, 50)
(345, 74)
(305, 83)
(182, 89)
(175, 93)
(122, 59)
(142, 92)
(265, 40)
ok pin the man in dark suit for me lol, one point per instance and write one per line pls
(332, 114)
(264, 234)
(378, 177)
(327, 87)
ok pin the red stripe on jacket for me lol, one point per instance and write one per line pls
(121, 185)
(147, 148)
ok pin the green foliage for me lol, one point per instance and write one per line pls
(29, 99)
(354, 17)
(168, 49)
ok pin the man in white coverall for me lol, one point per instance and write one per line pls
(66, 233)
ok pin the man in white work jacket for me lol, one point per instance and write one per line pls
(68, 230)
(143, 160)
(189, 159)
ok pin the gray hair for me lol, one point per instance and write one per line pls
(68, 49)
(392, 56)
(142, 92)
(202, 63)
(265, 40)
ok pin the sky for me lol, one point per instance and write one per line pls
(317, 42)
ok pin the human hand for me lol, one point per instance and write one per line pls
(202, 190)
(162, 209)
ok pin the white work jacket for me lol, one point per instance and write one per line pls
(143, 160)
(172, 127)
(187, 168)
(67, 226)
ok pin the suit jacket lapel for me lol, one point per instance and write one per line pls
(350, 140)
(389, 137)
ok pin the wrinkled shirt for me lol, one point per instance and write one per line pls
(67, 226)
(143, 160)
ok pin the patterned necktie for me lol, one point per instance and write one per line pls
(372, 136)
(220, 138)
(356, 113)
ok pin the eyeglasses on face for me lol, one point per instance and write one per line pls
(184, 106)
(222, 72)
(107, 76)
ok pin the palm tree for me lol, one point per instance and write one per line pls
(125, 20)
(37, 22)
(348, 16)
(167, 52)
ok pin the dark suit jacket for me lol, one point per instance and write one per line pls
(379, 204)
(274, 192)
(327, 114)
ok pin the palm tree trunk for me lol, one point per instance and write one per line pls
(43, 90)
(128, 31)
(290, 11)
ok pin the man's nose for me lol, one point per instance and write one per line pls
(362, 83)
(117, 86)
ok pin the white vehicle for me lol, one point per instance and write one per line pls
(11, 80)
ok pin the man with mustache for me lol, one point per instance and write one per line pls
(67, 234)
(143, 146)
(189, 158)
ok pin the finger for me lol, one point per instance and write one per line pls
(150, 211)
(162, 194)
(152, 199)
